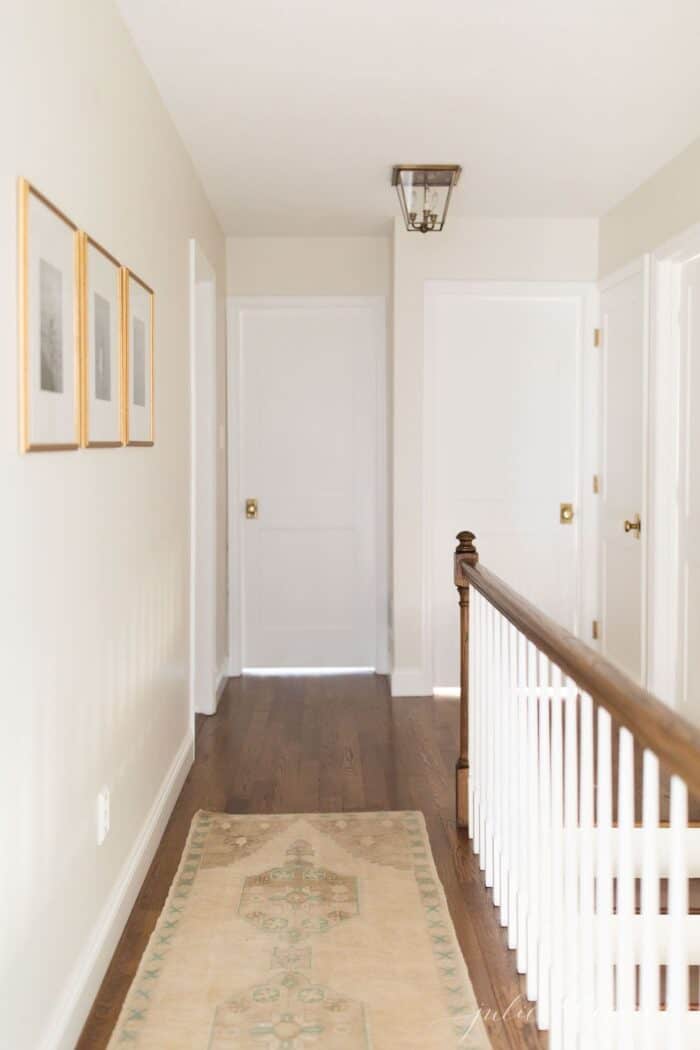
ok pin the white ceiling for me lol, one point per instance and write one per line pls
(295, 110)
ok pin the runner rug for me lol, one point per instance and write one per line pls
(308, 932)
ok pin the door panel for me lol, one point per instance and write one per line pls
(504, 440)
(622, 324)
(308, 451)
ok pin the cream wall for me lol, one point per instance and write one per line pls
(95, 544)
(468, 249)
(309, 265)
(663, 206)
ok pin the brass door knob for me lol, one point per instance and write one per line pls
(251, 508)
(566, 513)
(634, 526)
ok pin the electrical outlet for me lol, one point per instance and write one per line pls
(102, 815)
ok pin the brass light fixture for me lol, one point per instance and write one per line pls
(424, 192)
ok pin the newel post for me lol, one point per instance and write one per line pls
(466, 554)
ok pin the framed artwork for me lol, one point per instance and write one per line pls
(138, 360)
(49, 324)
(101, 339)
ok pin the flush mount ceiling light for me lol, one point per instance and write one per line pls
(424, 192)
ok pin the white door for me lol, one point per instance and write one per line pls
(502, 411)
(310, 458)
(622, 308)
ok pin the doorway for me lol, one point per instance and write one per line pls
(503, 445)
(308, 490)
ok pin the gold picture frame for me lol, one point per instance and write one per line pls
(139, 364)
(49, 362)
(89, 373)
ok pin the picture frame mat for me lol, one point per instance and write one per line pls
(139, 360)
(102, 409)
(47, 424)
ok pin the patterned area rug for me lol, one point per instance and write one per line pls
(309, 932)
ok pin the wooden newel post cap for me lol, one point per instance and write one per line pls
(466, 544)
(466, 553)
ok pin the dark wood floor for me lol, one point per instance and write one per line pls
(331, 744)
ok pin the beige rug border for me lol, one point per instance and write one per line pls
(475, 1039)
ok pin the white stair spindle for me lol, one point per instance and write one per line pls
(556, 909)
(514, 756)
(545, 802)
(476, 776)
(496, 756)
(624, 956)
(572, 857)
(650, 984)
(587, 876)
(473, 703)
(489, 749)
(523, 816)
(498, 764)
(677, 970)
(604, 887)
(533, 793)
(484, 734)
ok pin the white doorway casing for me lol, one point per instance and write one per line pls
(624, 298)
(307, 410)
(674, 474)
(205, 682)
(504, 446)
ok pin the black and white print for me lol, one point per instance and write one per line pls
(103, 350)
(51, 328)
(139, 362)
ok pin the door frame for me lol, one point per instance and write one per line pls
(641, 266)
(585, 295)
(235, 307)
(664, 462)
(203, 511)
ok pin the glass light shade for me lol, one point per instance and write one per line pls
(424, 193)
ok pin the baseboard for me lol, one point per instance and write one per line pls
(80, 989)
(222, 681)
(447, 692)
(414, 682)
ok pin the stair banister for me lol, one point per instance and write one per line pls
(554, 740)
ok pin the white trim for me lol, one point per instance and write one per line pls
(585, 295)
(447, 692)
(663, 471)
(636, 267)
(81, 987)
(414, 682)
(203, 459)
(221, 682)
(234, 307)
(283, 672)
(630, 269)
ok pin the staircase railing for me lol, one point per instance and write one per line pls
(573, 783)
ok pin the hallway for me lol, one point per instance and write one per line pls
(332, 744)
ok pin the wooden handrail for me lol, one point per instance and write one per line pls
(671, 737)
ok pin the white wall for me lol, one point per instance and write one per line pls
(468, 249)
(663, 206)
(309, 265)
(95, 544)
